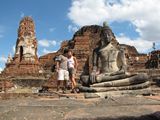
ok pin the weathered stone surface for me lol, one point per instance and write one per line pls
(112, 108)
(119, 114)
(25, 60)
(136, 79)
(84, 41)
(129, 50)
(5, 85)
(153, 60)
(108, 61)
(123, 89)
(135, 60)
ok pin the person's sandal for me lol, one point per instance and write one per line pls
(57, 90)
(64, 92)
(74, 90)
(77, 90)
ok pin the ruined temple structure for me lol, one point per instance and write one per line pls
(25, 60)
(109, 68)
(83, 44)
(153, 60)
(47, 61)
(89, 44)
(135, 60)
(84, 41)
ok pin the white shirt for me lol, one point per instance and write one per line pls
(71, 62)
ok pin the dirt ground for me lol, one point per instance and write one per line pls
(78, 108)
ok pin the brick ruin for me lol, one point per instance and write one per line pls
(85, 41)
(154, 60)
(25, 61)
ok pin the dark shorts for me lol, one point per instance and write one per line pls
(72, 72)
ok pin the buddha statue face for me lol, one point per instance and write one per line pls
(105, 41)
(106, 38)
(29, 49)
(26, 49)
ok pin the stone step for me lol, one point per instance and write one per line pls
(52, 94)
(68, 95)
(17, 95)
(140, 92)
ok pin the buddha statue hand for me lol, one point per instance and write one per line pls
(92, 77)
(94, 69)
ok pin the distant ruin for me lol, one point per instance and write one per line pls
(25, 61)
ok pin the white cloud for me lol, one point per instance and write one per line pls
(86, 12)
(38, 54)
(3, 59)
(14, 49)
(1, 69)
(44, 43)
(45, 51)
(53, 42)
(141, 45)
(47, 43)
(143, 14)
(72, 28)
(51, 29)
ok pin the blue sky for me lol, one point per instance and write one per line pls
(57, 20)
(50, 17)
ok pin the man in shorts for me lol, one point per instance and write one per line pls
(62, 71)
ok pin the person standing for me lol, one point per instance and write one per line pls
(72, 67)
(62, 71)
